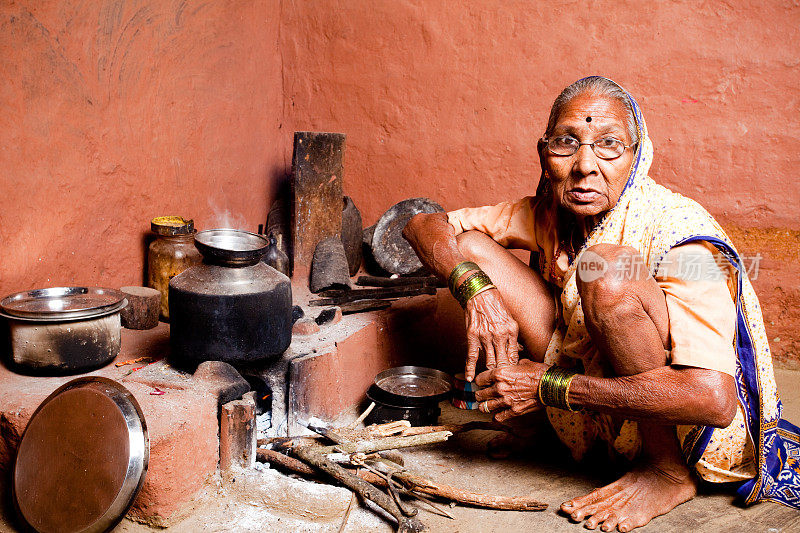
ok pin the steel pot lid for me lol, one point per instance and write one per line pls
(82, 458)
(231, 247)
(62, 303)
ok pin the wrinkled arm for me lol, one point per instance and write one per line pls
(434, 240)
(489, 324)
(670, 395)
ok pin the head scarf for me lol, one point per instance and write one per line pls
(653, 219)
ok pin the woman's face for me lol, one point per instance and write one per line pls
(583, 183)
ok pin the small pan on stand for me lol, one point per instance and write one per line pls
(408, 393)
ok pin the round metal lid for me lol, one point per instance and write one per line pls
(391, 251)
(62, 303)
(82, 458)
(231, 247)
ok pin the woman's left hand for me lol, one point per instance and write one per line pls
(510, 390)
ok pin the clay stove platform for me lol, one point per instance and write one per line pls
(182, 422)
(330, 370)
(324, 374)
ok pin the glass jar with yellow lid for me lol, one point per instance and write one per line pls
(172, 252)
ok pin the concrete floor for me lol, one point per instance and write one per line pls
(266, 500)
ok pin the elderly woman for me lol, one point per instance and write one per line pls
(641, 324)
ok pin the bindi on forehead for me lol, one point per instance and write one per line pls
(588, 119)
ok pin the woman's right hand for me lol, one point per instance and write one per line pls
(491, 327)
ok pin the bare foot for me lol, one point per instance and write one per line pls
(633, 500)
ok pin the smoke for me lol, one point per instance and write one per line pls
(224, 218)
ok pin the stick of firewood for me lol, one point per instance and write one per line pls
(370, 432)
(347, 512)
(389, 482)
(420, 484)
(375, 445)
(361, 418)
(387, 429)
(457, 428)
(365, 489)
(287, 442)
(475, 499)
(289, 463)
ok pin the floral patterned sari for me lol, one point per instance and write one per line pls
(653, 219)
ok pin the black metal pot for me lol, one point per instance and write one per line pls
(408, 393)
(231, 308)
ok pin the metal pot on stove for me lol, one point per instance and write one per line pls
(232, 307)
(63, 330)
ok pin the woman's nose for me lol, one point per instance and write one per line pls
(585, 162)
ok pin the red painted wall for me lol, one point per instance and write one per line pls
(447, 100)
(118, 111)
(114, 112)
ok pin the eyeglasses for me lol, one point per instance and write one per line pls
(605, 148)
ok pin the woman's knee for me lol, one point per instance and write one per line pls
(608, 277)
(475, 245)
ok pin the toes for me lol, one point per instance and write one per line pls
(610, 523)
(585, 512)
(593, 521)
(630, 523)
(593, 497)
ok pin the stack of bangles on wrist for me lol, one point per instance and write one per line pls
(554, 387)
(476, 283)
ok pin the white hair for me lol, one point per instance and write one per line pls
(595, 84)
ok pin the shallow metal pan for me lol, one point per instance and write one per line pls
(82, 459)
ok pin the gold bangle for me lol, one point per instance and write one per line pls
(554, 387)
(476, 283)
(460, 269)
(484, 289)
(566, 395)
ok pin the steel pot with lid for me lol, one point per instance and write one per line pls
(63, 329)
(232, 307)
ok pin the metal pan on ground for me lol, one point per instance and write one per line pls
(411, 386)
(82, 459)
